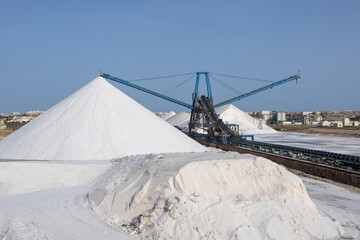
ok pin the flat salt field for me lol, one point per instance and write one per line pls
(345, 145)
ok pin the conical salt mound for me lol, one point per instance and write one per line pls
(247, 124)
(168, 115)
(98, 122)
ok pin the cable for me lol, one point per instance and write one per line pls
(153, 78)
(245, 78)
(179, 84)
(225, 85)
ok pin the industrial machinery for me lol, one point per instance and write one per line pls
(203, 115)
(204, 119)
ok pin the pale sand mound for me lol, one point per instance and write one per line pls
(196, 197)
(247, 124)
(168, 115)
(95, 123)
(180, 119)
(230, 115)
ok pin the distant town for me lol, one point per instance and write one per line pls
(18, 117)
(336, 119)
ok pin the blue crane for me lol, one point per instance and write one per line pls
(196, 91)
(270, 86)
(203, 113)
(127, 83)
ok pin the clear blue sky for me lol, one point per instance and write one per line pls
(50, 49)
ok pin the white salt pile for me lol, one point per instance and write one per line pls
(95, 123)
(210, 196)
(181, 119)
(231, 115)
(168, 115)
(247, 124)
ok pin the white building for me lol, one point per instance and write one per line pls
(325, 124)
(280, 117)
(338, 124)
(2, 125)
(34, 113)
(266, 115)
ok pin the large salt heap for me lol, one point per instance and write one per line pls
(229, 114)
(209, 196)
(95, 123)
(180, 119)
(168, 115)
(247, 124)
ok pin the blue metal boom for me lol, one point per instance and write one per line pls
(107, 76)
(275, 84)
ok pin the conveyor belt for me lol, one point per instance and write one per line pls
(346, 161)
(350, 162)
(334, 159)
(341, 175)
(213, 118)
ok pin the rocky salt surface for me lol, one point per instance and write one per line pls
(66, 199)
(210, 196)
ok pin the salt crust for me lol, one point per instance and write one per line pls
(212, 196)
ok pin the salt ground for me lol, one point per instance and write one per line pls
(345, 145)
(212, 196)
(338, 203)
(61, 210)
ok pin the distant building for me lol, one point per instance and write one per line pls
(338, 124)
(332, 123)
(21, 119)
(34, 113)
(311, 116)
(265, 115)
(350, 123)
(325, 123)
(279, 116)
(2, 125)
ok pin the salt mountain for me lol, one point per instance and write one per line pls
(97, 122)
